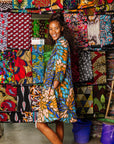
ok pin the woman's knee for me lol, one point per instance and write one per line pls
(41, 126)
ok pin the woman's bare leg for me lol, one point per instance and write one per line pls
(60, 129)
(49, 133)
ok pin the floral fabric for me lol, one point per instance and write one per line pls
(60, 103)
(8, 98)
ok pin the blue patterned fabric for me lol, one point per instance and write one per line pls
(58, 103)
(37, 63)
(105, 30)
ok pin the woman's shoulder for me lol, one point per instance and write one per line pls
(62, 41)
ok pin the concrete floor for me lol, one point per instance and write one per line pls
(26, 133)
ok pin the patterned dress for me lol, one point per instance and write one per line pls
(59, 104)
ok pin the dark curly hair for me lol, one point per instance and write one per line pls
(68, 35)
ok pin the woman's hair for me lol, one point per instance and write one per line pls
(58, 16)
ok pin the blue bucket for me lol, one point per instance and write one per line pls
(107, 136)
(81, 130)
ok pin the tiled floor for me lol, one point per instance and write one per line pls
(26, 133)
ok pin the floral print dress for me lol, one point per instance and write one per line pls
(58, 104)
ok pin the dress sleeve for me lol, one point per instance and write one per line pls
(61, 61)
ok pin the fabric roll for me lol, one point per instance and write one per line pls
(42, 3)
(8, 100)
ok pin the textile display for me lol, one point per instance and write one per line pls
(35, 93)
(23, 67)
(42, 3)
(56, 4)
(22, 4)
(47, 53)
(7, 67)
(110, 64)
(78, 25)
(90, 3)
(99, 67)
(112, 25)
(8, 98)
(37, 63)
(3, 30)
(75, 67)
(5, 5)
(85, 66)
(105, 30)
(110, 5)
(93, 28)
(40, 28)
(4, 117)
(24, 100)
(99, 99)
(70, 4)
(19, 30)
(84, 100)
(18, 117)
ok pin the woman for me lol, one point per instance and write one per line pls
(57, 100)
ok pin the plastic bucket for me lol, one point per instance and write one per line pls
(107, 136)
(81, 130)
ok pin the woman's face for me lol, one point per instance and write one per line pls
(55, 30)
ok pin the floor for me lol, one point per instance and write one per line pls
(26, 133)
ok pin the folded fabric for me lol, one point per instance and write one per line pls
(8, 98)
(78, 25)
(3, 31)
(105, 30)
(19, 30)
(93, 28)
(4, 117)
(84, 100)
(70, 4)
(7, 67)
(37, 63)
(23, 67)
(18, 4)
(5, 5)
(85, 66)
(24, 100)
(42, 3)
(99, 100)
(35, 93)
(99, 67)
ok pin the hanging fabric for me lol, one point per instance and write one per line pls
(70, 4)
(23, 67)
(37, 63)
(8, 100)
(5, 5)
(3, 31)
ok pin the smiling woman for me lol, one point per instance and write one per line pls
(57, 99)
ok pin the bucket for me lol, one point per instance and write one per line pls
(81, 130)
(107, 136)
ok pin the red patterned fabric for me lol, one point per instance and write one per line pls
(19, 30)
(42, 3)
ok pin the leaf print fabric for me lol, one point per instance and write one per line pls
(58, 103)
